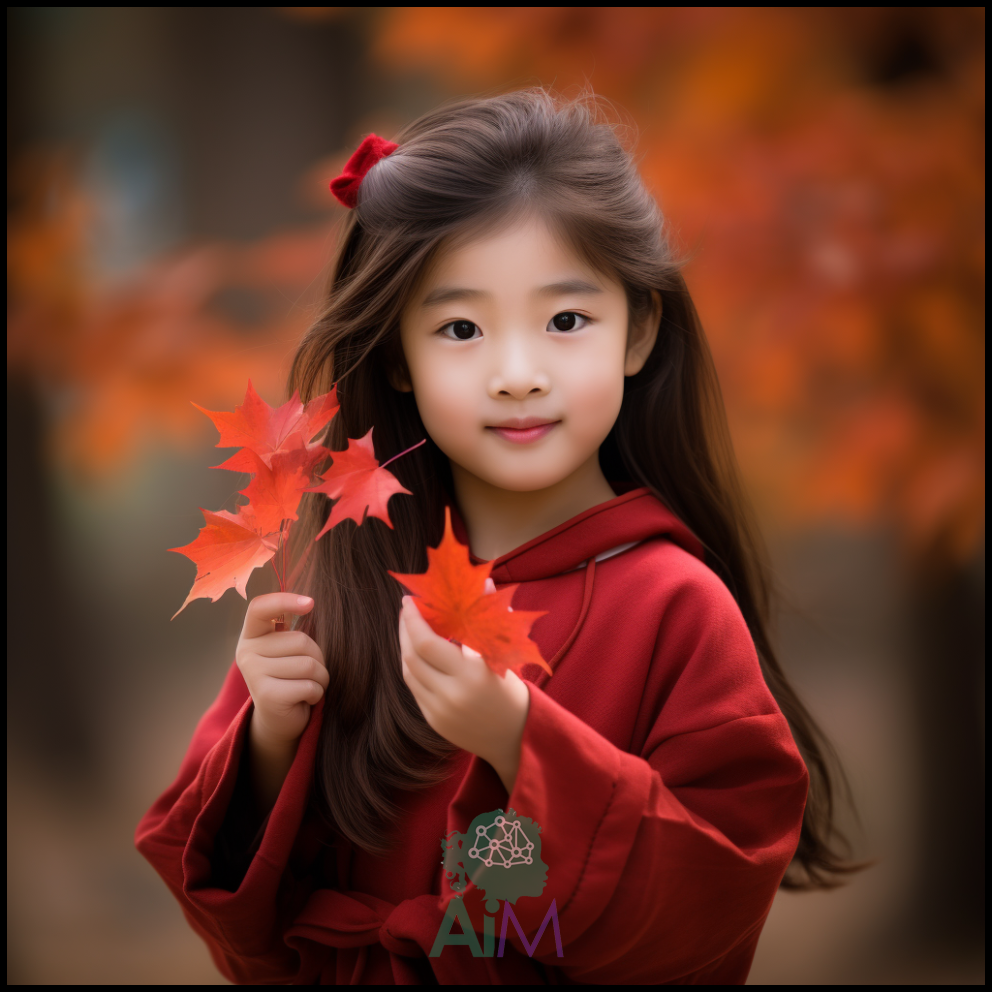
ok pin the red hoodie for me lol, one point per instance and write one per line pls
(663, 776)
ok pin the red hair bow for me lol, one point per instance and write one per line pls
(372, 150)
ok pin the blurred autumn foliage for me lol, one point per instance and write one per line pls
(118, 360)
(823, 169)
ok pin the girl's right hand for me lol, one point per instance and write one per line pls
(286, 675)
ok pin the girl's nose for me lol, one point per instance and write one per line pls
(518, 376)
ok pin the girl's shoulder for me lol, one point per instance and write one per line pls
(660, 569)
(677, 619)
(660, 592)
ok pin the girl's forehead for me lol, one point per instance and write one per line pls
(525, 250)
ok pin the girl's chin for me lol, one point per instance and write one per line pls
(517, 481)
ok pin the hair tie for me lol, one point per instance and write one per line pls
(371, 151)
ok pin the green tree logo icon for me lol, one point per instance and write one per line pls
(500, 853)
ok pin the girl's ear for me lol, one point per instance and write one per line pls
(641, 337)
(399, 378)
(397, 373)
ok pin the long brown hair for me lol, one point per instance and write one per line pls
(463, 166)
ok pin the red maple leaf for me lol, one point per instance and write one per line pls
(227, 550)
(276, 489)
(359, 484)
(256, 426)
(451, 596)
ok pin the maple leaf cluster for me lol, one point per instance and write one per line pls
(277, 449)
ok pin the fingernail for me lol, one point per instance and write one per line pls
(304, 601)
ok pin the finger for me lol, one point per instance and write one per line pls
(423, 697)
(436, 651)
(296, 667)
(430, 675)
(415, 668)
(283, 644)
(287, 693)
(263, 610)
(413, 684)
(473, 662)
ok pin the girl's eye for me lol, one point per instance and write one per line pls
(567, 321)
(461, 330)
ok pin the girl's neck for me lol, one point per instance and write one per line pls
(499, 520)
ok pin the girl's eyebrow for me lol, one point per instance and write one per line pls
(451, 294)
(454, 294)
(567, 286)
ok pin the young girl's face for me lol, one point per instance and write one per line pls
(517, 351)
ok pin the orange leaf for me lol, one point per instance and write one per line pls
(499, 633)
(258, 427)
(226, 551)
(451, 596)
(276, 489)
(358, 484)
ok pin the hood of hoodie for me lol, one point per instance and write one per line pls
(626, 520)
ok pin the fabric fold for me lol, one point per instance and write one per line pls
(663, 777)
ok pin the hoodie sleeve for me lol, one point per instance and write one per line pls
(663, 864)
(179, 836)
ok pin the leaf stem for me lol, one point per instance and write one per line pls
(281, 547)
(402, 453)
(285, 541)
(294, 575)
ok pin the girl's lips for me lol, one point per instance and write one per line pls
(524, 435)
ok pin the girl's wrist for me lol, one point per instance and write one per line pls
(270, 759)
(506, 767)
(262, 738)
(506, 759)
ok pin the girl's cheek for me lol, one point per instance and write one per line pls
(447, 404)
(595, 393)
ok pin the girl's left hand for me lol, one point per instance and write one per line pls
(462, 698)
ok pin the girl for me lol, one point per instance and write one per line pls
(504, 288)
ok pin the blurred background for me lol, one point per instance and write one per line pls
(168, 233)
